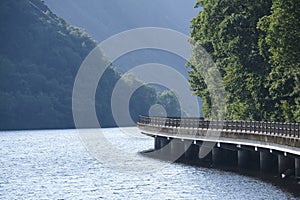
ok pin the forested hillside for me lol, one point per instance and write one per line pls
(255, 45)
(39, 57)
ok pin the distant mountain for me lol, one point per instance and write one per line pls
(104, 18)
(40, 55)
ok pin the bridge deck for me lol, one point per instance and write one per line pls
(278, 136)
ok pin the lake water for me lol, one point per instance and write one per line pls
(56, 165)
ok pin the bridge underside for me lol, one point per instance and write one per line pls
(246, 155)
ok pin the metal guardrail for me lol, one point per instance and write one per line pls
(291, 130)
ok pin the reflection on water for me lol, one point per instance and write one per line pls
(55, 165)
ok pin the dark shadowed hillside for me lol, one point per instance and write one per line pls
(39, 57)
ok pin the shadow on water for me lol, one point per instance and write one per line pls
(288, 184)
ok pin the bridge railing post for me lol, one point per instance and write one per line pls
(153, 121)
(190, 123)
(195, 123)
(171, 123)
(228, 125)
(270, 128)
(284, 127)
(297, 130)
(293, 130)
(158, 121)
(258, 127)
(284, 130)
(275, 128)
(233, 125)
(246, 126)
(238, 126)
(241, 126)
(279, 128)
(162, 121)
(290, 129)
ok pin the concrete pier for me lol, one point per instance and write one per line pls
(243, 158)
(217, 156)
(192, 151)
(157, 143)
(268, 162)
(162, 146)
(224, 157)
(285, 164)
(177, 149)
(297, 168)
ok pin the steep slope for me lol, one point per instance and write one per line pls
(39, 57)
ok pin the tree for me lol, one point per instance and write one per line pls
(281, 46)
(227, 29)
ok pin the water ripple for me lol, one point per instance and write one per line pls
(55, 165)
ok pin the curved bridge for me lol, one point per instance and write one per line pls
(264, 146)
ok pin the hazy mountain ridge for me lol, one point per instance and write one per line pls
(102, 18)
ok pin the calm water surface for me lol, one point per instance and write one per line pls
(56, 165)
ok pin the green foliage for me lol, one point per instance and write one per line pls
(228, 30)
(168, 100)
(281, 43)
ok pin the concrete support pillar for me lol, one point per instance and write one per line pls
(243, 158)
(286, 166)
(248, 159)
(217, 156)
(224, 157)
(164, 142)
(188, 150)
(230, 157)
(207, 158)
(268, 162)
(177, 149)
(165, 148)
(297, 167)
(157, 143)
(255, 160)
(192, 151)
(205, 152)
